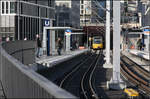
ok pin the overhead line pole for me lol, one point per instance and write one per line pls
(107, 36)
(116, 41)
(116, 82)
(108, 32)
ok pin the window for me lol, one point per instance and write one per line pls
(82, 7)
(50, 3)
(3, 8)
(12, 7)
(81, 1)
(81, 11)
(8, 7)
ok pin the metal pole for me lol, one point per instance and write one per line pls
(19, 20)
(108, 32)
(44, 42)
(1, 64)
(39, 20)
(116, 41)
(85, 27)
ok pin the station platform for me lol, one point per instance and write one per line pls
(139, 60)
(50, 61)
(142, 54)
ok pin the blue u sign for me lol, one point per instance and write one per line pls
(47, 22)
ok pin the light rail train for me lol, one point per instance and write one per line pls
(97, 43)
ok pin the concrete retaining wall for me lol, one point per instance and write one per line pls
(18, 80)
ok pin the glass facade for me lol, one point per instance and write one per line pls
(24, 18)
(3, 8)
(8, 7)
(13, 6)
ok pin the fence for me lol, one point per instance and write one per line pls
(18, 80)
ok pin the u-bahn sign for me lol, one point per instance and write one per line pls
(68, 32)
(47, 23)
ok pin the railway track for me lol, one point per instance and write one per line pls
(87, 87)
(67, 77)
(136, 75)
(136, 68)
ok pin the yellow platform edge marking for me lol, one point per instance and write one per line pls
(131, 92)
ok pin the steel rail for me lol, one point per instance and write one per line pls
(85, 78)
(90, 80)
(138, 68)
(135, 79)
(74, 70)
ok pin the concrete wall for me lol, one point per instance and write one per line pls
(19, 81)
(23, 51)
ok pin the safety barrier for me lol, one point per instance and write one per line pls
(18, 80)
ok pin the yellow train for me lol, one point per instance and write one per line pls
(97, 43)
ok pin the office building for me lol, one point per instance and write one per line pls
(92, 12)
(145, 12)
(85, 12)
(67, 13)
(129, 13)
(21, 19)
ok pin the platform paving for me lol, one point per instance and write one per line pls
(142, 54)
(50, 61)
(139, 60)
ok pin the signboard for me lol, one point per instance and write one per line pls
(68, 32)
(47, 23)
(147, 31)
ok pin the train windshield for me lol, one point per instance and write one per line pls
(97, 41)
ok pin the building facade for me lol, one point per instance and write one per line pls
(129, 13)
(85, 12)
(68, 13)
(20, 19)
(145, 12)
(92, 12)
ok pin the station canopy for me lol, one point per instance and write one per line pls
(94, 30)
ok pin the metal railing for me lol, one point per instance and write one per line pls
(18, 80)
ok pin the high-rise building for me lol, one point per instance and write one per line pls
(68, 13)
(129, 13)
(21, 19)
(145, 12)
(92, 12)
(85, 12)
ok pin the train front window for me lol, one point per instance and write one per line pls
(97, 41)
